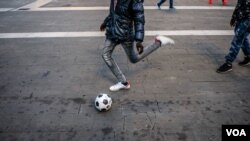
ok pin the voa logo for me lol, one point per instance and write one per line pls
(236, 132)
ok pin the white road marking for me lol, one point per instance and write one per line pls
(145, 7)
(101, 34)
(5, 9)
(201, 7)
(190, 32)
(70, 8)
(34, 5)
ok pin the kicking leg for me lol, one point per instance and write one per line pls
(134, 56)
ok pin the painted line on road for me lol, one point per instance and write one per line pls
(34, 5)
(190, 32)
(101, 34)
(5, 9)
(145, 7)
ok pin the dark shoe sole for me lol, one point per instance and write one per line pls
(172, 9)
(244, 64)
(224, 71)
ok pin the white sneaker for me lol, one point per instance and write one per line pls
(164, 40)
(118, 87)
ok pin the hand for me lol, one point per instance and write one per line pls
(102, 27)
(139, 47)
(232, 22)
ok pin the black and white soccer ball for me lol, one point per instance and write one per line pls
(103, 102)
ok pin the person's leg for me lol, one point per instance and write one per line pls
(107, 57)
(246, 51)
(132, 53)
(210, 1)
(224, 2)
(171, 4)
(108, 49)
(246, 48)
(241, 34)
(161, 2)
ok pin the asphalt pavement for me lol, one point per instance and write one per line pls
(48, 83)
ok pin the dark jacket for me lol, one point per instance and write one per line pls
(242, 10)
(123, 17)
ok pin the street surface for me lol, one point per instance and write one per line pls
(51, 70)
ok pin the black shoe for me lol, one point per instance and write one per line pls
(225, 68)
(172, 9)
(158, 6)
(245, 62)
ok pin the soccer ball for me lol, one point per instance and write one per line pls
(103, 102)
